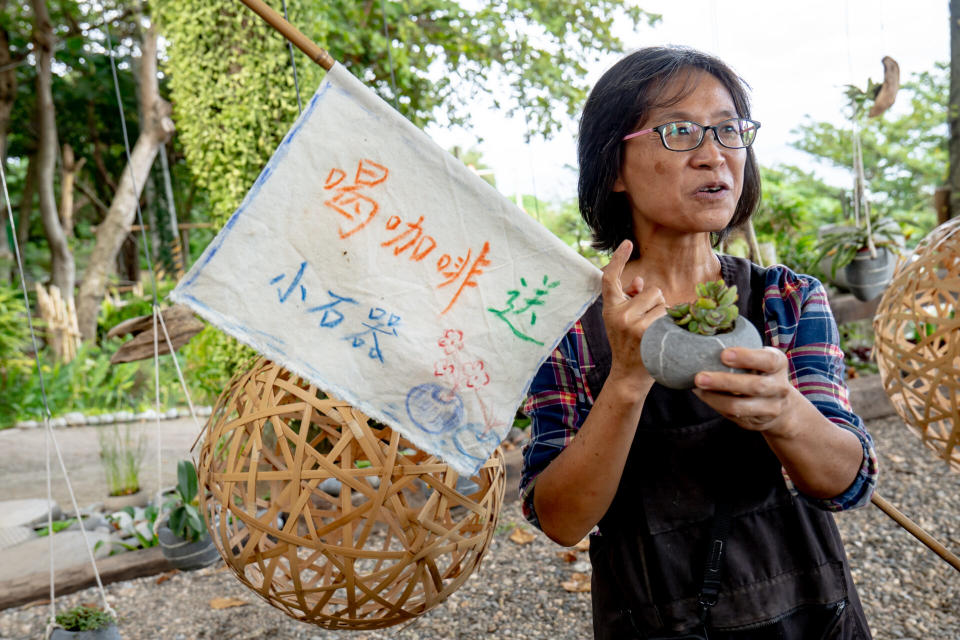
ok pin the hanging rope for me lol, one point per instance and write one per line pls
(293, 62)
(50, 437)
(146, 250)
(178, 254)
(386, 35)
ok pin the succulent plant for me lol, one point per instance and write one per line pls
(714, 311)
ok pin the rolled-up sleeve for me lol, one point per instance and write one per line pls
(557, 404)
(799, 322)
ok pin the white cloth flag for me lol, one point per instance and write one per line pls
(374, 264)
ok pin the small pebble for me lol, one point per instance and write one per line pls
(907, 591)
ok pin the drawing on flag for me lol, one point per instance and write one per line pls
(371, 262)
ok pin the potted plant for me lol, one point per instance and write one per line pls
(867, 251)
(690, 338)
(85, 623)
(121, 454)
(183, 536)
(861, 258)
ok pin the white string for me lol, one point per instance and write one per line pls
(172, 210)
(49, 429)
(176, 365)
(156, 387)
(146, 249)
(46, 440)
(716, 27)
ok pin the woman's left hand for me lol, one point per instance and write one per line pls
(758, 400)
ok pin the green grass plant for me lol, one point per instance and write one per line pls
(121, 454)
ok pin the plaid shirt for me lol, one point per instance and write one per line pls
(797, 320)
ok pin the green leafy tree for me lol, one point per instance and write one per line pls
(904, 152)
(563, 219)
(233, 88)
(795, 204)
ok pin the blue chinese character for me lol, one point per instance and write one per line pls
(386, 328)
(331, 317)
(283, 295)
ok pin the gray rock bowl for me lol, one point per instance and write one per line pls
(674, 356)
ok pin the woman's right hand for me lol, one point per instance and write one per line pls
(627, 312)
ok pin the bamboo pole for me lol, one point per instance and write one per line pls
(323, 58)
(916, 531)
(291, 33)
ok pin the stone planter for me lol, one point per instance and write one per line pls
(107, 633)
(186, 555)
(674, 356)
(867, 277)
(116, 503)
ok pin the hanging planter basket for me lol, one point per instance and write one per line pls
(106, 633)
(185, 555)
(867, 277)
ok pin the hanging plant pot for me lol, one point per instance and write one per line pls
(186, 555)
(106, 633)
(868, 277)
(674, 356)
(139, 498)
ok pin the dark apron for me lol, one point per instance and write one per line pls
(785, 574)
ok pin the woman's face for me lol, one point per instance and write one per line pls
(684, 191)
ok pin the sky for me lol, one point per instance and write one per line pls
(796, 56)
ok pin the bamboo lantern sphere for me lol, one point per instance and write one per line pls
(917, 338)
(331, 517)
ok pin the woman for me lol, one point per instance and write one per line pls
(709, 508)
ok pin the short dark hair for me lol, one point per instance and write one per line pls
(621, 99)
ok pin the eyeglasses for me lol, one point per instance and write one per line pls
(684, 135)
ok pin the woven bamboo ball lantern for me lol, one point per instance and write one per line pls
(331, 517)
(917, 341)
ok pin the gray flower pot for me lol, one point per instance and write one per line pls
(674, 356)
(107, 633)
(186, 555)
(867, 277)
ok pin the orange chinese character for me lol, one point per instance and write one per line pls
(348, 201)
(459, 266)
(425, 244)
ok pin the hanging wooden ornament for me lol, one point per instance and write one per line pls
(917, 341)
(331, 517)
(887, 91)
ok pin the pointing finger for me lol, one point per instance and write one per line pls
(612, 290)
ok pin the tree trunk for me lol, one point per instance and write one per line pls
(62, 266)
(954, 109)
(26, 200)
(157, 127)
(69, 169)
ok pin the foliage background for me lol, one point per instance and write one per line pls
(228, 77)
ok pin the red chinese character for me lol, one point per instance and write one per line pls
(459, 266)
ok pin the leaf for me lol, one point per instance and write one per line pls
(226, 603)
(194, 522)
(567, 555)
(578, 583)
(522, 536)
(166, 576)
(187, 480)
(178, 521)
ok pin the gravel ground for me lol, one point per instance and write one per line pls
(908, 592)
